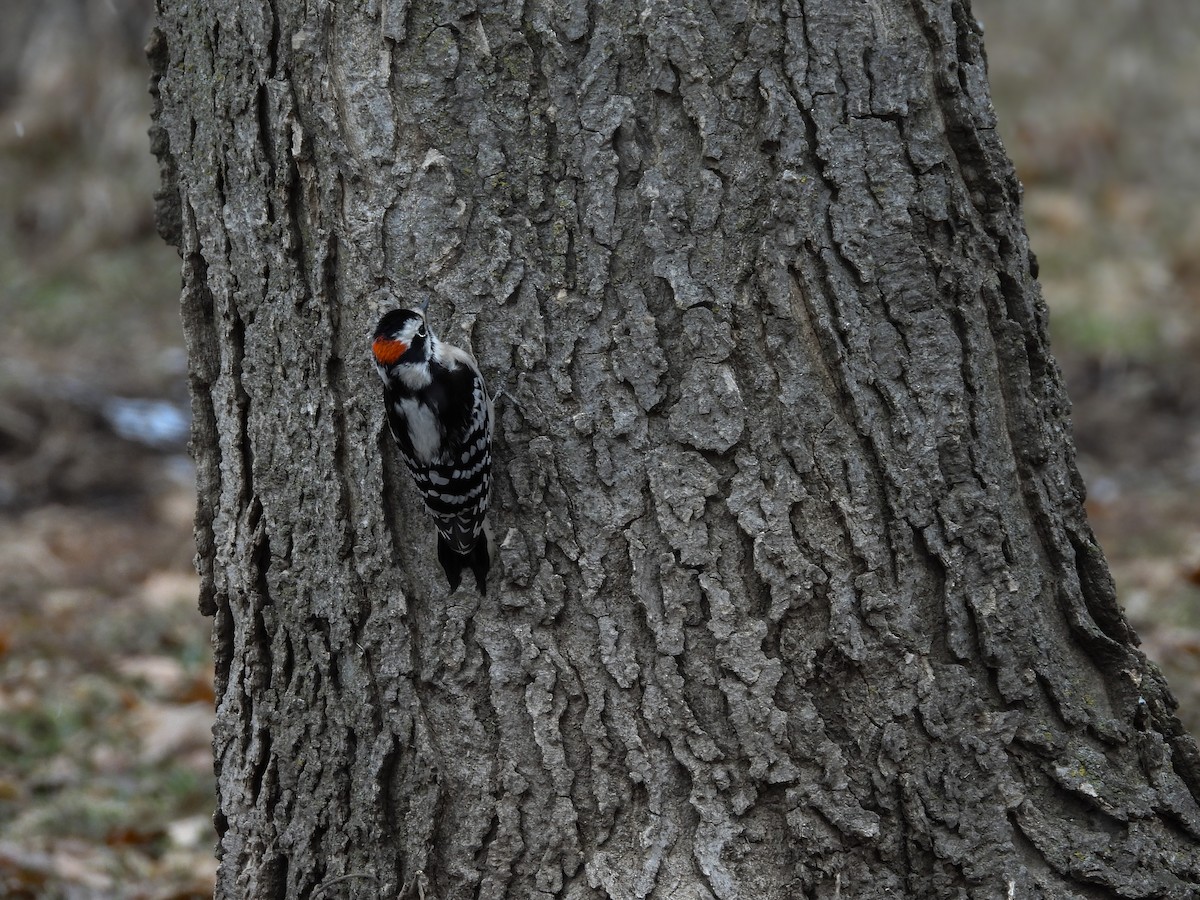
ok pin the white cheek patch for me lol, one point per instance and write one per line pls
(424, 430)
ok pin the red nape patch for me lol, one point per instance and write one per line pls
(388, 351)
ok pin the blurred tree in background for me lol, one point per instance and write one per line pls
(105, 670)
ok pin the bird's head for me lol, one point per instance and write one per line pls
(401, 337)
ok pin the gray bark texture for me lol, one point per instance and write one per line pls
(796, 595)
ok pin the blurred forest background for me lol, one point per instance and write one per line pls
(105, 675)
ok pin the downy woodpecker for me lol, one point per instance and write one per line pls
(441, 416)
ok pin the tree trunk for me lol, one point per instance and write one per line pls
(796, 595)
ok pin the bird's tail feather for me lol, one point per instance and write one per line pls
(478, 558)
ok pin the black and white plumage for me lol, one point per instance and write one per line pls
(441, 416)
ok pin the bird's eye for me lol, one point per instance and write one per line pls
(421, 332)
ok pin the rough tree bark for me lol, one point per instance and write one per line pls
(797, 597)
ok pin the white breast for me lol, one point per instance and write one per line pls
(424, 430)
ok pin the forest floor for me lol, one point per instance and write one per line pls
(106, 786)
